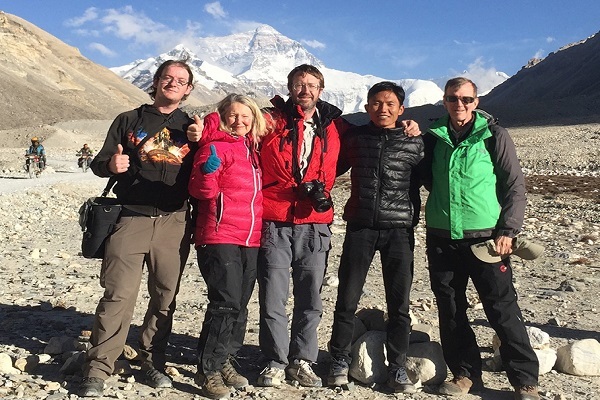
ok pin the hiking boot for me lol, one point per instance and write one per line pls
(399, 382)
(212, 385)
(231, 377)
(461, 385)
(338, 373)
(301, 371)
(157, 379)
(271, 377)
(91, 387)
(526, 393)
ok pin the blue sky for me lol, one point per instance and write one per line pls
(391, 39)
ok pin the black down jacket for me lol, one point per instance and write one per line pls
(384, 185)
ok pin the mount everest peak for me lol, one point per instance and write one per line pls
(257, 63)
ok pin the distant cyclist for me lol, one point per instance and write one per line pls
(37, 149)
(85, 154)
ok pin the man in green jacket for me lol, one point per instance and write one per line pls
(477, 193)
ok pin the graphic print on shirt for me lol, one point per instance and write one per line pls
(161, 148)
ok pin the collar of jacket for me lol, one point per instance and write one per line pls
(397, 130)
(479, 131)
(327, 112)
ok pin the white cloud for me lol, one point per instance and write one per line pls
(90, 14)
(215, 10)
(102, 49)
(315, 44)
(550, 39)
(486, 78)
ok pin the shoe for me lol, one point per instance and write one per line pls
(338, 373)
(231, 377)
(301, 371)
(526, 393)
(399, 381)
(212, 385)
(91, 387)
(271, 377)
(461, 385)
(157, 379)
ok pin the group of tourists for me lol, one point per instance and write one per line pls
(250, 188)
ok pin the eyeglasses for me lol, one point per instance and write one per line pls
(311, 86)
(463, 99)
(169, 79)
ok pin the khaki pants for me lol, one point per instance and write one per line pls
(163, 244)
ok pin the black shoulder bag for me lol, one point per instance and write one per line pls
(97, 218)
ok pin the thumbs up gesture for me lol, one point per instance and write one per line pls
(194, 131)
(213, 162)
(119, 162)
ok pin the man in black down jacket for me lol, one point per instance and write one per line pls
(381, 214)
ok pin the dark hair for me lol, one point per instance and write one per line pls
(161, 69)
(305, 69)
(455, 83)
(387, 86)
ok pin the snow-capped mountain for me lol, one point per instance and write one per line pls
(257, 63)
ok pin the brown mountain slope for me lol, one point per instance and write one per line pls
(563, 87)
(45, 81)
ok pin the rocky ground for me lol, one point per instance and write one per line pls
(49, 290)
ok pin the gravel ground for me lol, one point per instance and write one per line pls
(49, 290)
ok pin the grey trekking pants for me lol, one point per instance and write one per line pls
(303, 249)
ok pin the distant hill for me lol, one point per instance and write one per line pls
(564, 87)
(45, 81)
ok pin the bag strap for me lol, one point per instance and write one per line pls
(111, 182)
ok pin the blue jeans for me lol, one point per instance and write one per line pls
(395, 247)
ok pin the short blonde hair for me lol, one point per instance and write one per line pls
(258, 120)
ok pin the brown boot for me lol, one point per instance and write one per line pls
(231, 377)
(461, 385)
(526, 393)
(212, 384)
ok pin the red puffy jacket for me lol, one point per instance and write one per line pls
(230, 199)
(281, 200)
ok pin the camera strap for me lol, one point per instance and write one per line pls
(294, 138)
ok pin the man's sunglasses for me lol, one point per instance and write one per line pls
(463, 99)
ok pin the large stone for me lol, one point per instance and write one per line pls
(581, 358)
(369, 358)
(27, 364)
(6, 365)
(547, 359)
(59, 345)
(537, 337)
(425, 362)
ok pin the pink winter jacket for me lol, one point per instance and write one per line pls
(230, 199)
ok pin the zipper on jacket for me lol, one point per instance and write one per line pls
(379, 170)
(219, 210)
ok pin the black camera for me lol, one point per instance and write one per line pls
(315, 191)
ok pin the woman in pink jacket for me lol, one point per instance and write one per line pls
(227, 183)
